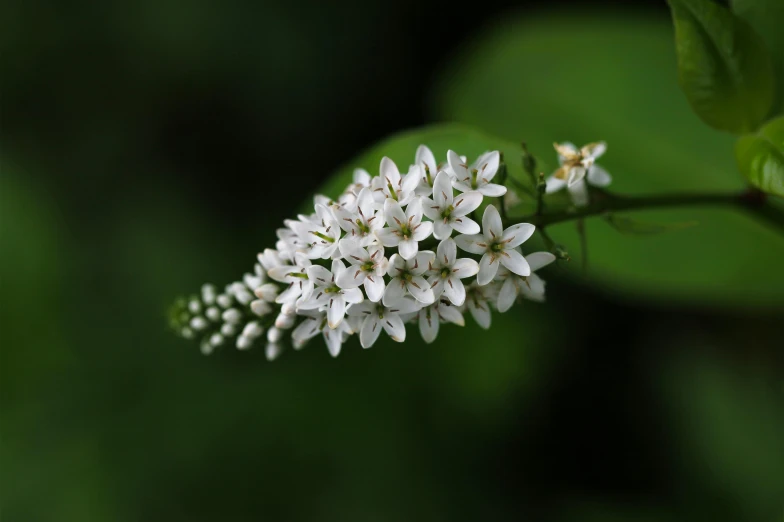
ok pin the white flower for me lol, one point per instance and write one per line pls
(378, 316)
(448, 212)
(317, 322)
(478, 175)
(320, 235)
(391, 185)
(478, 303)
(368, 267)
(296, 276)
(447, 272)
(429, 319)
(428, 169)
(497, 245)
(362, 223)
(328, 295)
(407, 278)
(348, 200)
(405, 230)
(531, 287)
(575, 163)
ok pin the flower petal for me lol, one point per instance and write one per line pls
(517, 234)
(455, 291)
(430, 209)
(408, 248)
(451, 314)
(515, 262)
(491, 223)
(474, 243)
(393, 214)
(389, 171)
(394, 327)
(353, 296)
(466, 203)
(487, 165)
(436, 285)
(370, 331)
(554, 184)
(424, 156)
(374, 288)
(598, 177)
(428, 324)
(533, 288)
(466, 225)
(488, 267)
(336, 310)
(446, 253)
(388, 237)
(507, 295)
(351, 278)
(480, 310)
(464, 267)
(442, 190)
(441, 230)
(575, 174)
(319, 274)
(579, 193)
(351, 251)
(420, 290)
(539, 259)
(423, 231)
(594, 150)
(395, 290)
(491, 190)
(421, 262)
(457, 164)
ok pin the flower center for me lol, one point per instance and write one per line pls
(363, 228)
(332, 290)
(322, 236)
(474, 174)
(447, 212)
(368, 266)
(498, 246)
(427, 175)
(445, 272)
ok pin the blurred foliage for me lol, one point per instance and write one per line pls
(724, 66)
(141, 145)
(761, 157)
(622, 88)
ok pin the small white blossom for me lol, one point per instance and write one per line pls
(317, 322)
(405, 230)
(448, 212)
(531, 287)
(431, 317)
(407, 278)
(390, 185)
(377, 317)
(368, 267)
(478, 303)
(447, 271)
(478, 175)
(497, 245)
(578, 170)
(296, 276)
(328, 295)
(428, 169)
(362, 223)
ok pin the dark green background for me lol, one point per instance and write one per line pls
(149, 147)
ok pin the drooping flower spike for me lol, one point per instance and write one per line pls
(379, 256)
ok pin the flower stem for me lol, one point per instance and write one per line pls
(602, 202)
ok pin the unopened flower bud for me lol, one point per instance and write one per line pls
(194, 306)
(198, 323)
(268, 292)
(285, 321)
(252, 330)
(223, 300)
(272, 351)
(244, 342)
(274, 334)
(216, 339)
(228, 329)
(260, 307)
(232, 315)
(213, 314)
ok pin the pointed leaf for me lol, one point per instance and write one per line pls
(761, 157)
(724, 67)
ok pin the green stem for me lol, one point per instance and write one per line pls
(752, 201)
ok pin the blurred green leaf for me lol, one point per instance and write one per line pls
(766, 16)
(631, 226)
(724, 66)
(761, 157)
(519, 81)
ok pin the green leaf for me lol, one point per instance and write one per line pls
(761, 157)
(631, 226)
(520, 81)
(766, 16)
(724, 67)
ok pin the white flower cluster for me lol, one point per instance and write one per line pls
(380, 256)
